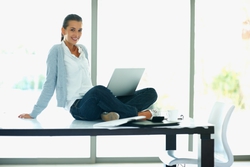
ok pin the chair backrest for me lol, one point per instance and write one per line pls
(219, 117)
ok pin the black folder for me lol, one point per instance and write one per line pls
(149, 123)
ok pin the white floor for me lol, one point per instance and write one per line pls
(236, 164)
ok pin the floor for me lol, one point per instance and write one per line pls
(236, 164)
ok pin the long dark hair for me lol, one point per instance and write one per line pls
(69, 18)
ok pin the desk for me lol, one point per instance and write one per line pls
(12, 126)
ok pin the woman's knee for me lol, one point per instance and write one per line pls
(153, 93)
(99, 88)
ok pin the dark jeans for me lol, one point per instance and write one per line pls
(99, 99)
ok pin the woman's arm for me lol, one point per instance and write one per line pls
(48, 87)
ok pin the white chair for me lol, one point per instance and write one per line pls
(223, 157)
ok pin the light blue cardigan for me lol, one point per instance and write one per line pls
(55, 80)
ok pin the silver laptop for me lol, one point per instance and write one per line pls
(124, 81)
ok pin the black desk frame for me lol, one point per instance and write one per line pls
(206, 143)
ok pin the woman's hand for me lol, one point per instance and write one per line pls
(25, 116)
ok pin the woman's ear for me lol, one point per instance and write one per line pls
(63, 31)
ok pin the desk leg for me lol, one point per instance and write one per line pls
(206, 151)
(171, 144)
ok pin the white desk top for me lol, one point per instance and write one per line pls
(66, 121)
(11, 121)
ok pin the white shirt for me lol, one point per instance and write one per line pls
(78, 75)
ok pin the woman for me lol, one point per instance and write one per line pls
(68, 73)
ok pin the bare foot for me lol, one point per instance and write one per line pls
(109, 116)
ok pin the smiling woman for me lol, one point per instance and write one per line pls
(72, 32)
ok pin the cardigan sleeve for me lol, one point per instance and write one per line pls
(49, 85)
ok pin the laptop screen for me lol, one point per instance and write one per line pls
(124, 81)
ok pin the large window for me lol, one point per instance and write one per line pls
(150, 34)
(222, 54)
(28, 30)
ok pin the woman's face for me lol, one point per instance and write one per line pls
(73, 32)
